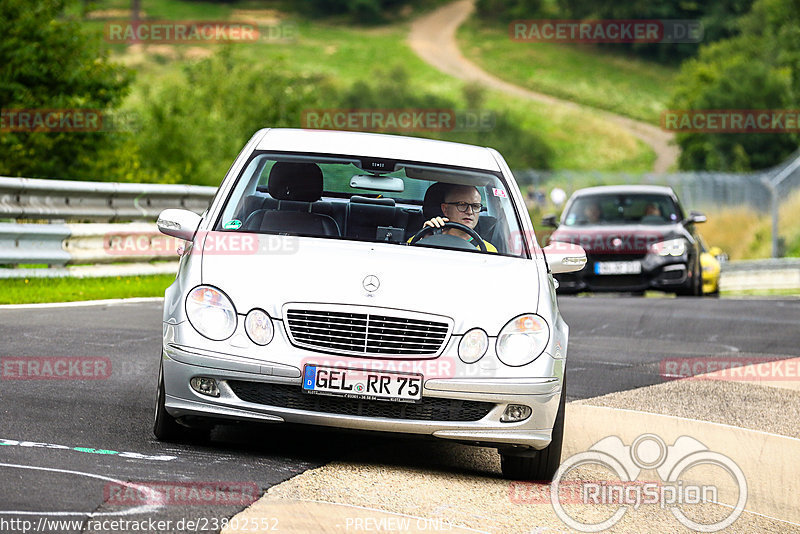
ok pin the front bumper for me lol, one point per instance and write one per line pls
(664, 274)
(542, 395)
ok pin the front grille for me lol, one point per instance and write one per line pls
(365, 333)
(428, 409)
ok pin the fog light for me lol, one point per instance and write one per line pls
(205, 386)
(515, 413)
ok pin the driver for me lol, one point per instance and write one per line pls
(461, 204)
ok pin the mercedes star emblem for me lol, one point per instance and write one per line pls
(371, 283)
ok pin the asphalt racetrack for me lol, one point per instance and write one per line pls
(65, 445)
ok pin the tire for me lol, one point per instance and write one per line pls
(539, 465)
(165, 427)
(695, 287)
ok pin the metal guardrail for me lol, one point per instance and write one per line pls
(771, 264)
(69, 244)
(33, 199)
(97, 249)
(761, 275)
(33, 243)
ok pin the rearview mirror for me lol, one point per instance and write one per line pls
(550, 221)
(178, 223)
(564, 257)
(387, 184)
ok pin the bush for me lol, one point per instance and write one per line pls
(47, 61)
(520, 148)
(364, 11)
(193, 127)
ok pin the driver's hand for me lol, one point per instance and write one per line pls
(436, 222)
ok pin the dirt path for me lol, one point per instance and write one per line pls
(432, 37)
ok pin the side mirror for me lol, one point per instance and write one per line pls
(565, 257)
(719, 254)
(550, 221)
(696, 217)
(178, 223)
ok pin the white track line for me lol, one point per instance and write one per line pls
(149, 508)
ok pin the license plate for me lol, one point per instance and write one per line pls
(361, 384)
(617, 267)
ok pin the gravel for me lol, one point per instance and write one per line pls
(745, 405)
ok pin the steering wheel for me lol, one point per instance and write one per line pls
(430, 229)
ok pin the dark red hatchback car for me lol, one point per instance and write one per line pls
(636, 238)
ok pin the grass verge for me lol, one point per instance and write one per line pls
(36, 290)
(745, 234)
(579, 73)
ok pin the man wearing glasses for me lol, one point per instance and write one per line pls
(462, 204)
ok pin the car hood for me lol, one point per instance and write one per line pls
(617, 239)
(475, 290)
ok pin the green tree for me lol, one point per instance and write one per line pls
(758, 69)
(718, 19)
(508, 10)
(47, 61)
(194, 126)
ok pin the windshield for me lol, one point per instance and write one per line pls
(335, 198)
(622, 209)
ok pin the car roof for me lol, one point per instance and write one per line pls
(625, 189)
(383, 146)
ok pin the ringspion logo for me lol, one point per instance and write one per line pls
(675, 491)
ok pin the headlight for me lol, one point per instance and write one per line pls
(258, 326)
(473, 345)
(522, 340)
(673, 247)
(211, 312)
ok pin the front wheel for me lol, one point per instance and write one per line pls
(538, 465)
(695, 286)
(165, 427)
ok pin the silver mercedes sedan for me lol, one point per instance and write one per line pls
(370, 282)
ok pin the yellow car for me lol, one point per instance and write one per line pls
(711, 260)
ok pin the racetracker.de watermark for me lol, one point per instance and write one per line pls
(610, 242)
(731, 120)
(55, 368)
(181, 493)
(67, 120)
(735, 369)
(231, 243)
(399, 120)
(197, 32)
(606, 31)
